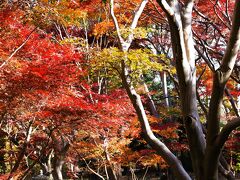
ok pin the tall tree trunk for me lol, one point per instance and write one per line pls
(215, 137)
(61, 147)
(57, 167)
(149, 136)
(46, 165)
(179, 18)
(164, 88)
(183, 53)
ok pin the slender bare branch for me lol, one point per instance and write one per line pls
(94, 172)
(16, 50)
(215, 140)
(230, 56)
(115, 21)
(231, 100)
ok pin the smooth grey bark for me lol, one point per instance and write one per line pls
(135, 98)
(151, 139)
(164, 88)
(180, 19)
(57, 168)
(215, 138)
(60, 150)
(205, 158)
(46, 165)
(110, 169)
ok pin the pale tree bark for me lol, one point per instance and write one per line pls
(60, 150)
(164, 88)
(57, 167)
(18, 48)
(111, 170)
(215, 138)
(46, 165)
(135, 98)
(227, 92)
(180, 19)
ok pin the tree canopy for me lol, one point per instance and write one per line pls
(119, 89)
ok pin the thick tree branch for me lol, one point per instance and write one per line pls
(214, 140)
(151, 139)
(160, 147)
(222, 75)
(230, 56)
(189, 4)
(138, 14)
(125, 44)
(226, 131)
(115, 21)
(135, 20)
(166, 7)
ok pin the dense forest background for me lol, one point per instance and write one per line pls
(124, 89)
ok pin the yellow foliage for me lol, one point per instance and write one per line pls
(138, 32)
(74, 41)
(59, 12)
(139, 61)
